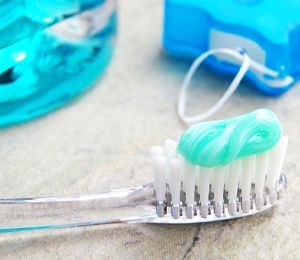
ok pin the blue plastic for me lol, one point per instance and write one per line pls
(270, 29)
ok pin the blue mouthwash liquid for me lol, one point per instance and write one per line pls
(51, 50)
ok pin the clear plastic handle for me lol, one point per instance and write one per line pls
(74, 211)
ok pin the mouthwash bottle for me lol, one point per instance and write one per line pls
(50, 51)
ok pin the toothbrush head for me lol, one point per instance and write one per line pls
(221, 169)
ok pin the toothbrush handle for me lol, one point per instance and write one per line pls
(74, 211)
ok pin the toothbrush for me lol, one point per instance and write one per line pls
(219, 170)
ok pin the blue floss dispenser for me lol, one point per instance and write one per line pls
(268, 30)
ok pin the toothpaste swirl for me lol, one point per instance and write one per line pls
(216, 143)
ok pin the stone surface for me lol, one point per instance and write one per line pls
(101, 141)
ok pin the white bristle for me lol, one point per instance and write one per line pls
(247, 175)
(262, 165)
(219, 173)
(227, 178)
(159, 173)
(170, 149)
(204, 182)
(276, 157)
(170, 144)
(189, 181)
(182, 160)
(232, 182)
(175, 181)
(156, 151)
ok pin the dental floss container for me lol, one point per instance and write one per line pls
(268, 30)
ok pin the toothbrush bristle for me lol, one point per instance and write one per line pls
(240, 187)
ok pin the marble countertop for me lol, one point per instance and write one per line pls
(100, 141)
